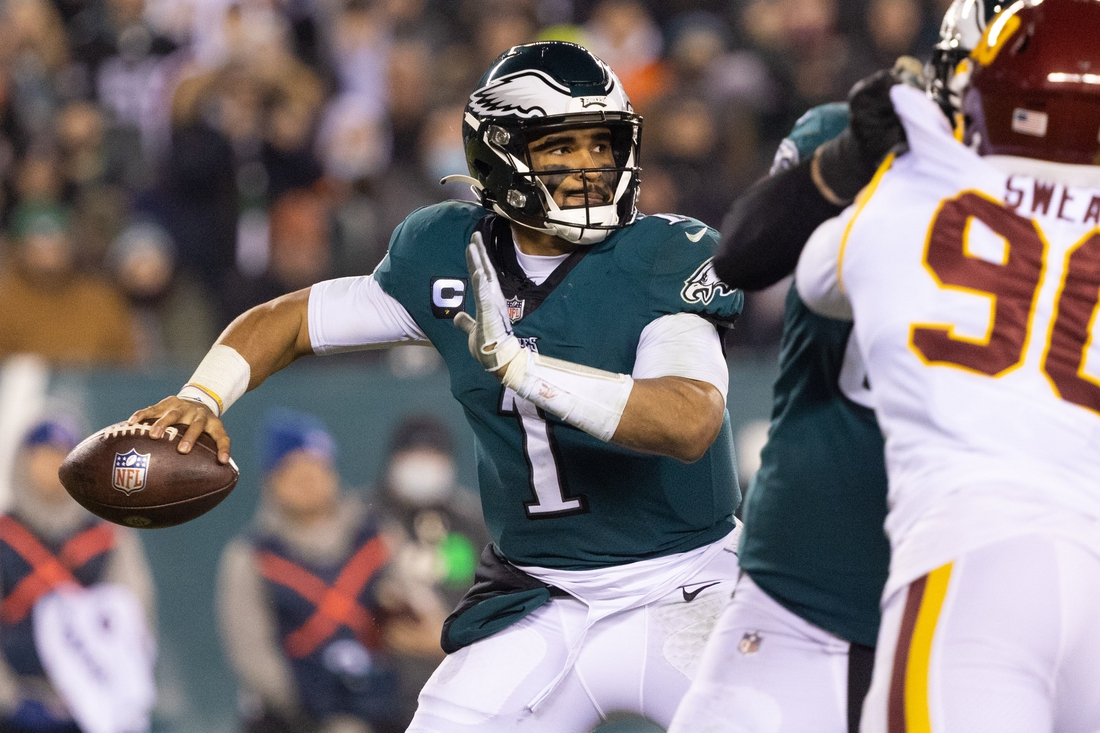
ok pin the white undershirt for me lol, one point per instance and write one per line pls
(354, 313)
(538, 267)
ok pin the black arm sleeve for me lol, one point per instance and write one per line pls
(768, 225)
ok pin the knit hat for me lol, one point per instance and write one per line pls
(286, 431)
(422, 431)
(139, 237)
(58, 433)
(29, 219)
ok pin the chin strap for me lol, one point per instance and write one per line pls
(475, 185)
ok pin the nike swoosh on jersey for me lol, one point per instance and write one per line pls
(689, 597)
(697, 236)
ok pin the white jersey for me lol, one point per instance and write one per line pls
(974, 285)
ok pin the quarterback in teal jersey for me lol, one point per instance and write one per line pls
(554, 495)
(583, 341)
(795, 648)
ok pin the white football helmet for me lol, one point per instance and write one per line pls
(961, 30)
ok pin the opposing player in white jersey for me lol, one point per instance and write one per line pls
(793, 651)
(973, 274)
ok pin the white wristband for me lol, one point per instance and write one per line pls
(220, 379)
(591, 399)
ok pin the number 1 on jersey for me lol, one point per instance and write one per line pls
(540, 451)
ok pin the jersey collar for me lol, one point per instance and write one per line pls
(514, 283)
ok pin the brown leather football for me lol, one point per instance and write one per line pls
(126, 477)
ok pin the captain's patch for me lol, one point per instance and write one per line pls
(448, 296)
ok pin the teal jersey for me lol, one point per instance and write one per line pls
(819, 125)
(813, 537)
(554, 496)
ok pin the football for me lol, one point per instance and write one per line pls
(126, 477)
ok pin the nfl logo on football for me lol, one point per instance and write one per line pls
(130, 471)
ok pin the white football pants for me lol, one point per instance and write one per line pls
(1005, 639)
(766, 670)
(638, 661)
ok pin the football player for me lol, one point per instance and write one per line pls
(583, 342)
(793, 652)
(973, 273)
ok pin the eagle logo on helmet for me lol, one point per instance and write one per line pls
(704, 285)
(528, 94)
(522, 95)
(961, 32)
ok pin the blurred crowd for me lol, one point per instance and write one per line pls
(330, 602)
(166, 164)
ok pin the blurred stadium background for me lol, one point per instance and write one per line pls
(166, 164)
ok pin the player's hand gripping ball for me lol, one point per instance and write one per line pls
(126, 477)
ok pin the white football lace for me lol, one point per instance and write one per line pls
(120, 429)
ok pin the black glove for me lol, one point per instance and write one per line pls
(846, 164)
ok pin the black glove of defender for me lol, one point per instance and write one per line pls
(846, 164)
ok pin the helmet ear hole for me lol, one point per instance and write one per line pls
(483, 168)
(1025, 41)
